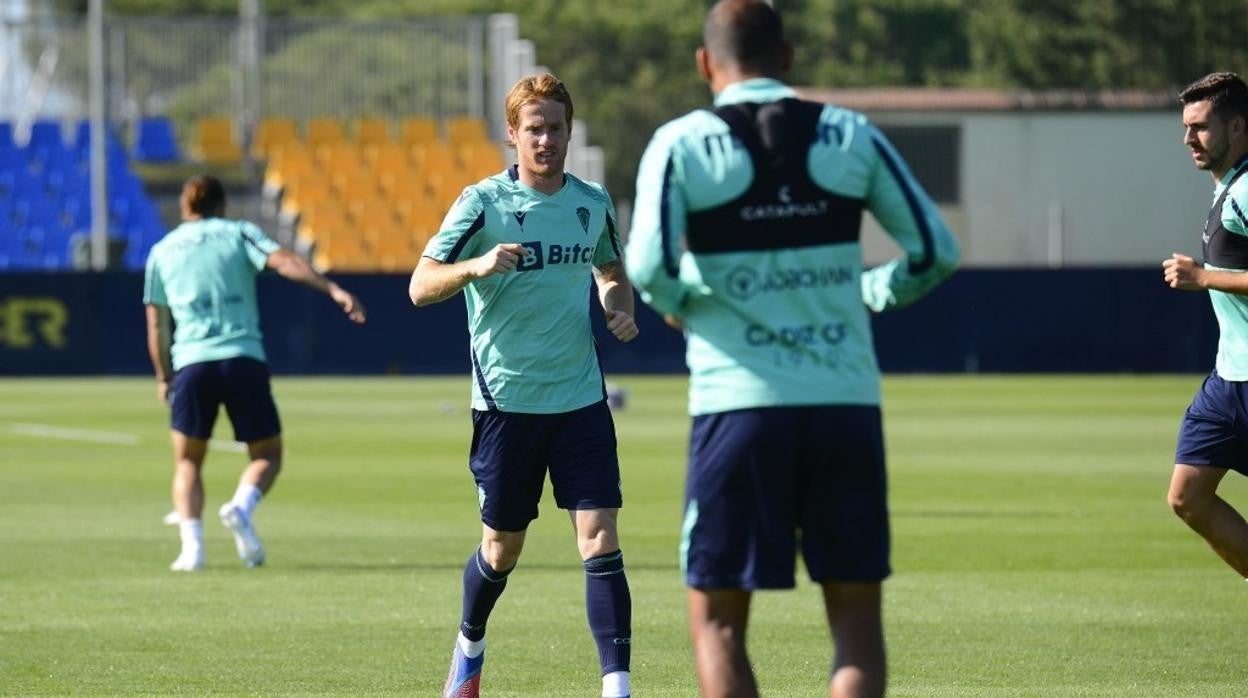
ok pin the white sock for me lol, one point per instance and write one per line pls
(246, 497)
(192, 531)
(615, 685)
(471, 648)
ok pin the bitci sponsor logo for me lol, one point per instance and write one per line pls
(537, 256)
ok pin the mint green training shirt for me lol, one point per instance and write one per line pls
(1231, 309)
(205, 272)
(532, 346)
(782, 326)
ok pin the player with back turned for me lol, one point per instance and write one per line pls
(746, 232)
(202, 278)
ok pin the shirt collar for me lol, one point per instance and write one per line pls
(1230, 174)
(754, 90)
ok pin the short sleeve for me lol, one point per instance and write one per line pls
(609, 247)
(258, 245)
(153, 287)
(455, 237)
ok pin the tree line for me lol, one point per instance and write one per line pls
(629, 64)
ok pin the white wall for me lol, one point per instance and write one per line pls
(1116, 188)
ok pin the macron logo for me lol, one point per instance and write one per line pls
(519, 217)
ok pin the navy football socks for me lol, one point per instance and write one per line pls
(610, 610)
(482, 587)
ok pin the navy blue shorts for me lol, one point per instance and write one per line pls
(1215, 428)
(241, 384)
(512, 451)
(761, 479)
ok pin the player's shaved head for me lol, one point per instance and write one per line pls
(747, 33)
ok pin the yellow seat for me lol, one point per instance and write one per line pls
(340, 158)
(271, 133)
(396, 249)
(215, 141)
(445, 185)
(369, 209)
(423, 222)
(287, 162)
(371, 131)
(321, 220)
(387, 159)
(303, 192)
(434, 155)
(466, 129)
(344, 250)
(416, 130)
(325, 130)
(480, 160)
(403, 183)
(356, 185)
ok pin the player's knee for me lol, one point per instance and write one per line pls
(501, 555)
(1185, 503)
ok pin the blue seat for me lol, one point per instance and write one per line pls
(47, 158)
(6, 134)
(24, 185)
(156, 141)
(45, 134)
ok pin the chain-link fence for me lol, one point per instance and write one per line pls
(188, 68)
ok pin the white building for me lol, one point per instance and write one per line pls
(1059, 178)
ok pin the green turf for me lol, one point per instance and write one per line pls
(1033, 549)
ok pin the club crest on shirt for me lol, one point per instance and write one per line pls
(582, 215)
(519, 217)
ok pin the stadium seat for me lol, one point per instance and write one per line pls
(286, 163)
(301, 192)
(359, 184)
(417, 130)
(371, 132)
(446, 183)
(319, 219)
(400, 183)
(6, 135)
(45, 134)
(338, 158)
(272, 133)
(481, 159)
(343, 250)
(155, 141)
(395, 249)
(466, 129)
(434, 154)
(325, 130)
(215, 141)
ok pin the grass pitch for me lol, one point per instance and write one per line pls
(1033, 550)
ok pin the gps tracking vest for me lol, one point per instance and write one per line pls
(1221, 247)
(783, 208)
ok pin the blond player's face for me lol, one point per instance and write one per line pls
(541, 136)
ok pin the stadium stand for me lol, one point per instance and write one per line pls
(45, 199)
(370, 202)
